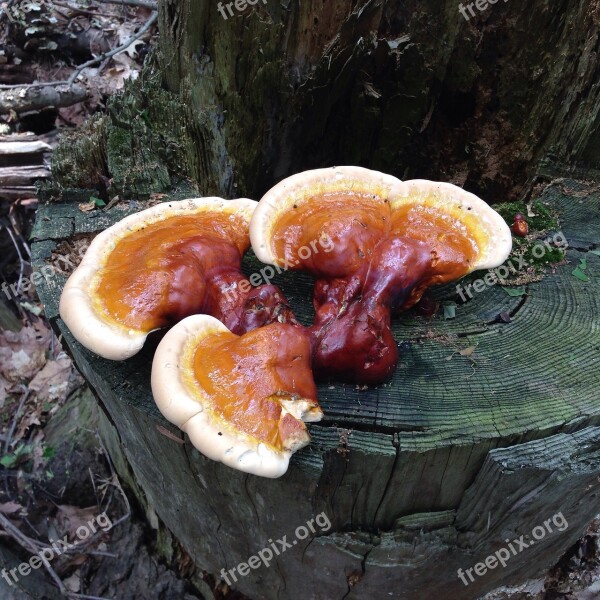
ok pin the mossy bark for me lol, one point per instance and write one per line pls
(410, 88)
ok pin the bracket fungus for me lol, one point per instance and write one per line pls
(243, 399)
(236, 370)
(160, 265)
(390, 241)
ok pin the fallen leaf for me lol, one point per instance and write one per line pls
(23, 353)
(52, 382)
(73, 583)
(467, 351)
(69, 518)
(577, 272)
(8, 508)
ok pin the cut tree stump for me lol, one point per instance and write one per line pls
(433, 472)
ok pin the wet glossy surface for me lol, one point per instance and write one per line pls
(377, 262)
(248, 376)
(182, 266)
(338, 230)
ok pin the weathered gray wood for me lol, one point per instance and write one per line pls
(37, 98)
(419, 477)
(16, 192)
(25, 147)
(18, 176)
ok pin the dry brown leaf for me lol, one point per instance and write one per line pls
(23, 354)
(4, 388)
(31, 417)
(71, 517)
(52, 382)
(467, 351)
(38, 450)
(8, 508)
(87, 206)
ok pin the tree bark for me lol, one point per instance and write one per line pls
(410, 88)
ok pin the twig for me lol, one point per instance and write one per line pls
(69, 82)
(13, 425)
(31, 545)
(21, 261)
(77, 10)
(84, 597)
(115, 481)
(143, 3)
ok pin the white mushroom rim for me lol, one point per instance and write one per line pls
(183, 402)
(281, 198)
(463, 210)
(87, 323)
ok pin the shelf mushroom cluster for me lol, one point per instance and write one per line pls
(236, 370)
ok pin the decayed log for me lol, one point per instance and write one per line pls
(22, 163)
(8, 148)
(459, 454)
(22, 176)
(16, 192)
(26, 98)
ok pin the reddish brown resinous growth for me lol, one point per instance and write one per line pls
(387, 241)
(520, 227)
(181, 268)
(351, 335)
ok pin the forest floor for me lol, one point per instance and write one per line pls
(55, 475)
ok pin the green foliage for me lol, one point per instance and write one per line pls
(579, 270)
(514, 292)
(21, 453)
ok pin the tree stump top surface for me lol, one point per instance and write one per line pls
(537, 374)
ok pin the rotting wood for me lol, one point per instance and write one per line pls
(22, 176)
(29, 98)
(419, 477)
(408, 88)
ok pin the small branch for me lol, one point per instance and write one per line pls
(116, 50)
(69, 82)
(14, 422)
(143, 3)
(21, 260)
(29, 96)
(33, 547)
